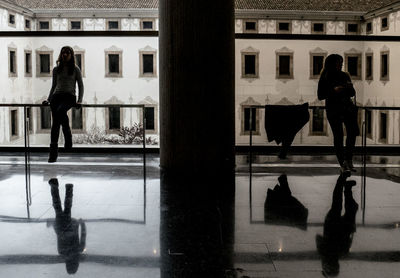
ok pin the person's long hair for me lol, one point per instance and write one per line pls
(330, 65)
(70, 64)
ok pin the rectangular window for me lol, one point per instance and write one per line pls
(384, 66)
(369, 27)
(384, 24)
(114, 118)
(317, 121)
(45, 117)
(247, 119)
(249, 65)
(76, 25)
(353, 65)
(14, 123)
(13, 63)
(317, 65)
(352, 28)
(368, 121)
(44, 63)
(147, 24)
(149, 113)
(284, 65)
(369, 66)
(383, 127)
(44, 25)
(28, 63)
(284, 26)
(27, 24)
(78, 61)
(250, 26)
(318, 28)
(77, 120)
(113, 25)
(11, 20)
(29, 116)
(148, 64)
(113, 63)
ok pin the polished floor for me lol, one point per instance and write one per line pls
(105, 220)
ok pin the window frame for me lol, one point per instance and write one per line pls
(256, 132)
(38, 64)
(155, 130)
(318, 32)
(383, 140)
(382, 53)
(16, 135)
(369, 124)
(324, 131)
(44, 20)
(113, 52)
(312, 55)
(12, 14)
(249, 30)
(10, 73)
(142, 20)
(29, 66)
(256, 64)
(30, 24)
(359, 65)
(77, 130)
(82, 53)
(39, 128)
(387, 23)
(278, 31)
(70, 20)
(369, 32)
(351, 32)
(110, 20)
(141, 66)
(279, 53)
(367, 77)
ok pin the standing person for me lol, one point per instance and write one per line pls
(62, 97)
(336, 88)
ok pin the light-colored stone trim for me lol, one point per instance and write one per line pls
(44, 20)
(147, 51)
(371, 77)
(318, 32)
(352, 33)
(14, 16)
(284, 52)
(38, 72)
(80, 51)
(142, 20)
(312, 55)
(385, 78)
(15, 62)
(113, 52)
(278, 31)
(70, 20)
(251, 21)
(359, 63)
(113, 19)
(29, 65)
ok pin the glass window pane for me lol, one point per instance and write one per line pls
(78, 60)
(45, 117)
(148, 63)
(318, 63)
(247, 119)
(149, 113)
(250, 64)
(284, 65)
(114, 118)
(113, 63)
(318, 120)
(45, 63)
(147, 25)
(77, 122)
(44, 25)
(352, 67)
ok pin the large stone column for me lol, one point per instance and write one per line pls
(197, 129)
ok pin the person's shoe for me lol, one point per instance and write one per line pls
(349, 164)
(53, 153)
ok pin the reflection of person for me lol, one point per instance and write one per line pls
(62, 98)
(67, 229)
(338, 230)
(335, 86)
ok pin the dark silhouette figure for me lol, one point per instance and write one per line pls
(282, 208)
(338, 230)
(336, 88)
(67, 229)
(62, 98)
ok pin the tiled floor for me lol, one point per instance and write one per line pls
(126, 227)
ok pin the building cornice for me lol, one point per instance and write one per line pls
(383, 10)
(96, 13)
(15, 8)
(301, 15)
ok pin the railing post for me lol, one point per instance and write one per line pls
(144, 142)
(27, 169)
(251, 140)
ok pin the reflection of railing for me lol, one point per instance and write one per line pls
(363, 143)
(27, 146)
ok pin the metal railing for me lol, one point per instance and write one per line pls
(27, 149)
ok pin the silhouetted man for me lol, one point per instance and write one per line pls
(67, 229)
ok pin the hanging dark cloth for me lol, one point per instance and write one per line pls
(282, 122)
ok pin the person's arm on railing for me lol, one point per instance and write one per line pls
(80, 85)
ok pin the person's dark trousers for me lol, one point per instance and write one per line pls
(350, 122)
(60, 104)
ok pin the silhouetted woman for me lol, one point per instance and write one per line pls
(336, 88)
(62, 97)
